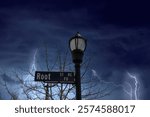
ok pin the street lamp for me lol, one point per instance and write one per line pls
(77, 46)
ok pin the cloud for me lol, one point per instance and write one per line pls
(116, 41)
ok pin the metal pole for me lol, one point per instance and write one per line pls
(47, 92)
(78, 81)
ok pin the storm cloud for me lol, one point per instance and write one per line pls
(118, 34)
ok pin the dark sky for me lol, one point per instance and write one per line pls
(117, 33)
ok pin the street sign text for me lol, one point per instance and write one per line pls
(55, 77)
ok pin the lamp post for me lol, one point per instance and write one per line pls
(77, 46)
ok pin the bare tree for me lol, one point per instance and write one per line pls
(29, 89)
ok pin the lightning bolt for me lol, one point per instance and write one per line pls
(135, 83)
(33, 66)
(114, 84)
(29, 77)
(128, 92)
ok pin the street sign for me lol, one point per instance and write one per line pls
(55, 77)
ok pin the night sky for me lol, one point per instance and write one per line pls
(117, 33)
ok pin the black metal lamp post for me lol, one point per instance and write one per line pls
(77, 46)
